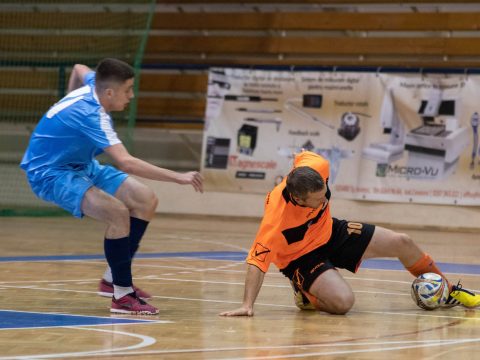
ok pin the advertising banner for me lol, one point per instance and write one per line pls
(387, 137)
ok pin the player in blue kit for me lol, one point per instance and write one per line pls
(61, 168)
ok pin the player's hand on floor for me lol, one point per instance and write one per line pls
(243, 311)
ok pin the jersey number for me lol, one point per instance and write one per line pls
(354, 228)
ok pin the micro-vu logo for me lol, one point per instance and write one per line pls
(425, 172)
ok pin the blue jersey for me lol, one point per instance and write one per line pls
(70, 135)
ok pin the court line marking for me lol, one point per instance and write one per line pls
(201, 269)
(409, 343)
(79, 315)
(266, 285)
(81, 326)
(428, 314)
(236, 262)
(146, 341)
(33, 287)
(358, 351)
(141, 321)
(291, 306)
(184, 255)
(280, 305)
(153, 277)
(184, 237)
(196, 269)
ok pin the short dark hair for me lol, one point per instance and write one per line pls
(112, 70)
(303, 180)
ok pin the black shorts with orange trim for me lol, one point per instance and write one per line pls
(344, 250)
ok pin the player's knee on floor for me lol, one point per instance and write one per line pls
(342, 305)
(338, 303)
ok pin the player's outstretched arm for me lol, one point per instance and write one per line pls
(253, 283)
(138, 167)
(76, 76)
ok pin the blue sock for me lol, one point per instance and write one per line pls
(117, 252)
(137, 229)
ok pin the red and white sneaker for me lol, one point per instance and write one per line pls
(133, 305)
(105, 288)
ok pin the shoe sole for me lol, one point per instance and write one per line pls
(120, 311)
(109, 295)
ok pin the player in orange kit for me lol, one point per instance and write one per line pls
(299, 235)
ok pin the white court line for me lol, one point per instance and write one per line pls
(150, 277)
(358, 351)
(59, 313)
(219, 243)
(49, 289)
(184, 258)
(275, 305)
(220, 269)
(428, 314)
(266, 285)
(197, 269)
(155, 296)
(377, 280)
(83, 326)
(146, 341)
(60, 281)
(33, 287)
(417, 343)
(176, 298)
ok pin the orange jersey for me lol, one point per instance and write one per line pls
(289, 231)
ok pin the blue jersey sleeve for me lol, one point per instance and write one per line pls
(98, 128)
(89, 79)
(98, 125)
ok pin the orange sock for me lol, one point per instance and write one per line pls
(425, 265)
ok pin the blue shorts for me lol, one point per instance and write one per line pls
(66, 188)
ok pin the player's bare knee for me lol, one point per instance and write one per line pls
(342, 304)
(337, 303)
(153, 202)
(147, 201)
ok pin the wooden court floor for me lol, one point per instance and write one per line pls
(194, 267)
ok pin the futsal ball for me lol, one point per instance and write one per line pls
(429, 291)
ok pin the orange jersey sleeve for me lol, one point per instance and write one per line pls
(287, 230)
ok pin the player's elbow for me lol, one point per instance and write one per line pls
(79, 70)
